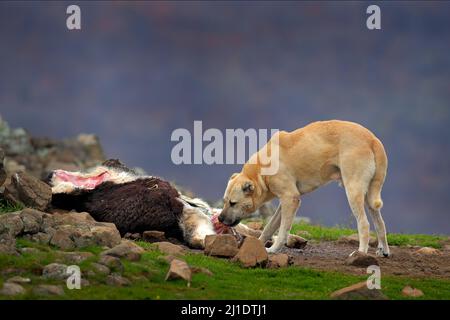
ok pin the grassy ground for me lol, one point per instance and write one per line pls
(229, 280)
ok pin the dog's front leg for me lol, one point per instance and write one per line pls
(289, 206)
(272, 226)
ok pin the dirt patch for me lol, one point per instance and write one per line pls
(331, 256)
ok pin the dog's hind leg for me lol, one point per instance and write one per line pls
(355, 195)
(380, 228)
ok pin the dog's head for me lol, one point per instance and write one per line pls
(239, 199)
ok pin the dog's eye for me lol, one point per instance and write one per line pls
(232, 203)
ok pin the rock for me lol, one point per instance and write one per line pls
(428, 251)
(179, 270)
(279, 260)
(154, 236)
(106, 234)
(19, 280)
(117, 280)
(359, 259)
(358, 291)
(78, 230)
(55, 271)
(126, 249)
(221, 245)
(11, 224)
(11, 289)
(100, 268)
(303, 233)
(412, 292)
(29, 191)
(206, 271)
(170, 248)
(48, 290)
(28, 250)
(40, 237)
(296, 242)
(255, 225)
(354, 240)
(8, 245)
(111, 262)
(62, 238)
(251, 253)
(32, 220)
(76, 257)
(133, 236)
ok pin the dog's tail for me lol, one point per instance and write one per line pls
(376, 184)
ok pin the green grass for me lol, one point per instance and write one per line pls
(5, 206)
(321, 233)
(229, 281)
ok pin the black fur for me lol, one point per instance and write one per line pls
(137, 206)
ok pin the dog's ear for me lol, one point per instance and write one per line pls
(234, 175)
(248, 187)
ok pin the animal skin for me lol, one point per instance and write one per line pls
(308, 158)
(114, 193)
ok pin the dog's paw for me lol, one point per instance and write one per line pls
(272, 249)
(381, 253)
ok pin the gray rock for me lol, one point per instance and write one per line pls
(111, 262)
(19, 280)
(29, 191)
(100, 268)
(179, 269)
(252, 253)
(170, 248)
(32, 220)
(154, 236)
(11, 224)
(117, 280)
(55, 271)
(48, 290)
(126, 249)
(12, 289)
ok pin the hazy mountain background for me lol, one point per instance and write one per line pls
(137, 71)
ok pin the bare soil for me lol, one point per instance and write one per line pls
(404, 261)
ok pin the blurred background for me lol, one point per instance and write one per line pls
(138, 70)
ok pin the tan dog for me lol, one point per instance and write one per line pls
(310, 157)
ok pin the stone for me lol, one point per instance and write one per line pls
(29, 191)
(411, 292)
(48, 290)
(106, 234)
(359, 259)
(76, 257)
(111, 262)
(428, 251)
(19, 280)
(100, 268)
(296, 242)
(32, 220)
(221, 245)
(117, 280)
(279, 260)
(40, 237)
(133, 236)
(55, 271)
(28, 250)
(126, 249)
(354, 240)
(251, 253)
(154, 236)
(11, 224)
(255, 225)
(11, 289)
(358, 291)
(8, 245)
(170, 248)
(179, 269)
(62, 238)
